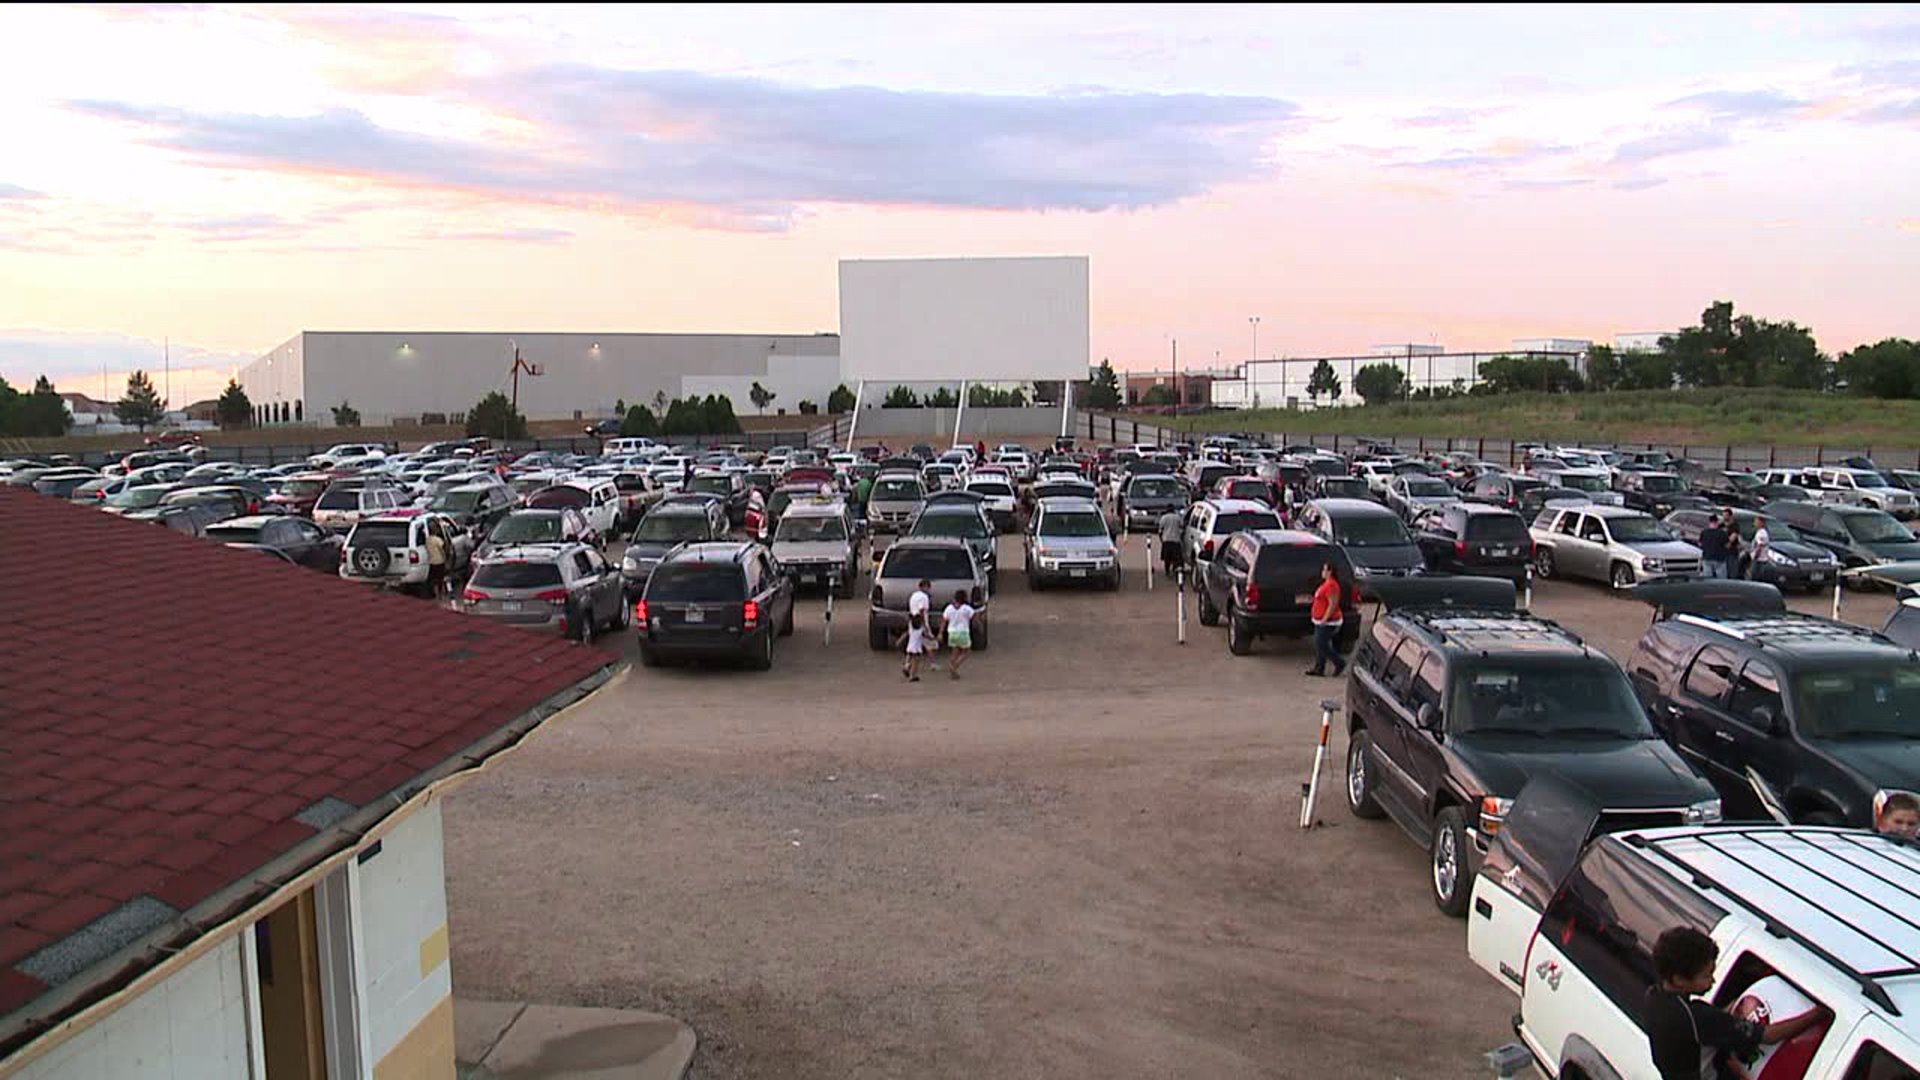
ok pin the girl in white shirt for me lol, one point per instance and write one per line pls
(957, 619)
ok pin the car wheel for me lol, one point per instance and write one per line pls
(876, 636)
(1209, 615)
(786, 624)
(1113, 583)
(649, 658)
(1239, 637)
(622, 616)
(1621, 576)
(1543, 564)
(1360, 778)
(1452, 884)
(577, 628)
(762, 657)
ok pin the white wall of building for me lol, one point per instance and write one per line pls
(1640, 341)
(193, 1026)
(792, 379)
(404, 973)
(1552, 344)
(1005, 319)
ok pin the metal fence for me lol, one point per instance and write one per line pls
(283, 453)
(1121, 429)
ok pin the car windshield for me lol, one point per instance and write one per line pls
(1422, 488)
(516, 575)
(671, 528)
(1660, 485)
(1497, 528)
(1874, 527)
(715, 485)
(1072, 523)
(1862, 700)
(138, 498)
(339, 499)
(992, 489)
(526, 529)
(1742, 481)
(1583, 483)
(1327, 467)
(1629, 530)
(898, 489)
(931, 563)
(696, 583)
(969, 526)
(1247, 489)
(1549, 697)
(1370, 530)
(1155, 488)
(454, 502)
(302, 489)
(811, 528)
(1234, 521)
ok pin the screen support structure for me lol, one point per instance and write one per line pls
(859, 395)
(960, 415)
(1066, 407)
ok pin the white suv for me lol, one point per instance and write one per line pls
(341, 506)
(348, 454)
(391, 549)
(1211, 521)
(1864, 487)
(1801, 914)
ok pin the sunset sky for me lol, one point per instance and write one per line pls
(225, 177)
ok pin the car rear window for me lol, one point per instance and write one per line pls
(1370, 530)
(555, 498)
(931, 563)
(1496, 527)
(1296, 566)
(991, 488)
(516, 575)
(696, 583)
(674, 527)
(1229, 523)
(965, 526)
(388, 534)
(234, 534)
(1248, 489)
(301, 489)
(1154, 489)
(1072, 523)
(716, 485)
(339, 499)
(526, 529)
(455, 502)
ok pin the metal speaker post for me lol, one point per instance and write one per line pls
(1180, 576)
(1147, 542)
(833, 586)
(1310, 791)
(1526, 599)
(1839, 578)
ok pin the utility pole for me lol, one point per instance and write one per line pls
(1255, 354)
(519, 366)
(1176, 376)
(166, 357)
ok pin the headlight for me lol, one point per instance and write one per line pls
(1704, 813)
(1775, 557)
(1882, 560)
(1362, 571)
(1493, 813)
(1653, 565)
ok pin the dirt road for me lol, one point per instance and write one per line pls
(1082, 860)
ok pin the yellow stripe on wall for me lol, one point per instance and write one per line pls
(433, 951)
(427, 1051)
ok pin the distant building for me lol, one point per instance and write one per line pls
(1551, 345)
(206, 411)
(1642, 341)
(1408, 349)
(1196, 384)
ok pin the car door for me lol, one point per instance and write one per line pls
(1420, 747)
(780, 587)
(1436, 537)
(1758, 730)
(1394, 719)
(606, 587)
(585, 585)
(1697, 715)
(1590, 547)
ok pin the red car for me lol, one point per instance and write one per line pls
(298, 493)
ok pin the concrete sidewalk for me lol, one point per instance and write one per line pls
(508, 1040)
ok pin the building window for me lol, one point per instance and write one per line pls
(296, 409)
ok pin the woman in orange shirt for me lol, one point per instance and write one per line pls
(1328, 616)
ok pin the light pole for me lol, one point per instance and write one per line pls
(1255, 321)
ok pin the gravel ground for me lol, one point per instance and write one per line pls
(1080, 860)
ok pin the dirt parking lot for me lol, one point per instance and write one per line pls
(1081, 860)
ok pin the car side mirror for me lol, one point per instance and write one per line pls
(1427, 717)
(1767, 720)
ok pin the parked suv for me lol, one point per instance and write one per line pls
(1263, 582)
(715, 601)
(391, 548)
(595, 497)
(1791, 562)
(345, 502)
(1410, 494)
(818, 544)
(1457, 700)
(1784, 712)
(1802, 917)
(667, 526)
(999, 498)
(895, 498)
(1857, 536)
(943, 515)
(1864, 487)
(947, 563)
(1475, 540)
(1374, 538)
(1501, 489)
(730, 486)
(1594, 484)
(1147, 496)
(1609, 543)
(523, 527)
(475, 507)
(1211, 521)
(569, 587)
(1652, 493)
(1067, 540)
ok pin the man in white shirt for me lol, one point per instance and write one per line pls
(921, 604)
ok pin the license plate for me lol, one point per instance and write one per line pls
(809, 577)
(510, 606)
(694, 614)
(1816, 576)
(1076, 573)
(1500, 553)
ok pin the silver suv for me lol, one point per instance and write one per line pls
(1864, 487)
(947, 564)
(1609, 543)
(1068, 540)
(567, 587)
(818, 545)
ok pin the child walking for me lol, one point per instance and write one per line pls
(916, 646)
(957, 619)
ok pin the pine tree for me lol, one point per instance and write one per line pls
(141, 405)
(233, 409)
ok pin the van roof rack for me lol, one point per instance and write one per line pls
(1864, 878)
(1459, 625)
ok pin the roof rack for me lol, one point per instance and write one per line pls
(1862, 856)
(1455, 623)
(1780, 628)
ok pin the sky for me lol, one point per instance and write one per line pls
(202, 182)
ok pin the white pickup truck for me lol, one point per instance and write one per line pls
(1565, 913)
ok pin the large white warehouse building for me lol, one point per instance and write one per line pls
(401, 376)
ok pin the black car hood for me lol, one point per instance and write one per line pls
(1395, 557)
(1888, 763)
(1620, 773)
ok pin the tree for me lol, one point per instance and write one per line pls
(717, 411)
(761, 396)
(1516, 374)
(660, 401)
(495, 417)
(345, 415)
(1323, 381)
(1380, 383)
(840, 401)
(1603, 368)
(684, 417)
(1048, 391)
(639, 421)
(1744, 351)
(619, 406)
(233, 409)
(141, 404)
(943, 398)
(807, 408)
(901, 397)
(1105, 393)
(1886, 369)
(1158, 394)
(40, 413)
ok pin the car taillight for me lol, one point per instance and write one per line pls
(640, 612)
(552, 596)
(750, 614)
(1253, 594)
(473, 596)
(1206, 550)
(413, 557)
(1460, 548)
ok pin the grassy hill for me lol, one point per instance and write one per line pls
(1707, 417)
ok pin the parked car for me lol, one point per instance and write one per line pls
(732, 489)
(1791, 562)
(96, 491)
(570, 588)
(597, 500)
(1376, 541)
(638, 493)
(1211, 521)
(998, 497)
(1856, 536)
(895, 499)
(818, 543)
(476, 508)
(1475, 540)
(522, 528)
(1609, 543)
(345, 502)
(1263, 583)
(1723, 488)
(1651, 493)
(1145, 497)
(192, 510)
(1246, 489)
(1566, 915)
(62, 483)
(948, 564)
(1067, 540)
(715, 601)
(300, 540)
(1338, 487)
(390, 549)
(1595, 485)
(1812, 717)
(1864, 487)
(962, 520)
(666, 527)
(1408, 495)
(1500, 489)
(348, 455)
(1456, 701)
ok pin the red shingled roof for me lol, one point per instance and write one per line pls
(168, 706)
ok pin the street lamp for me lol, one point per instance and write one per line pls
(1255, 321)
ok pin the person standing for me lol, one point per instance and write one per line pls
(916, 646)
(1172, 527)
(436, 559)
(1683, 1032)
(1762, 543)
(1329, 615)
(862, 489)
(957, 624)
(1713, 547)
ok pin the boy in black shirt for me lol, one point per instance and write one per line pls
(1688, 1035)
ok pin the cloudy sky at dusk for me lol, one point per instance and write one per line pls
(222, 178)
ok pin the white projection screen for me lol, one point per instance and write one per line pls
(982, 320)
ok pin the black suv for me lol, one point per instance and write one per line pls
(1500, 489)
(715, 601)
(1656, 493)
(1475, 539)
(1377, 541)
(1263, 582)
(1786, 713)
(1453, 706)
